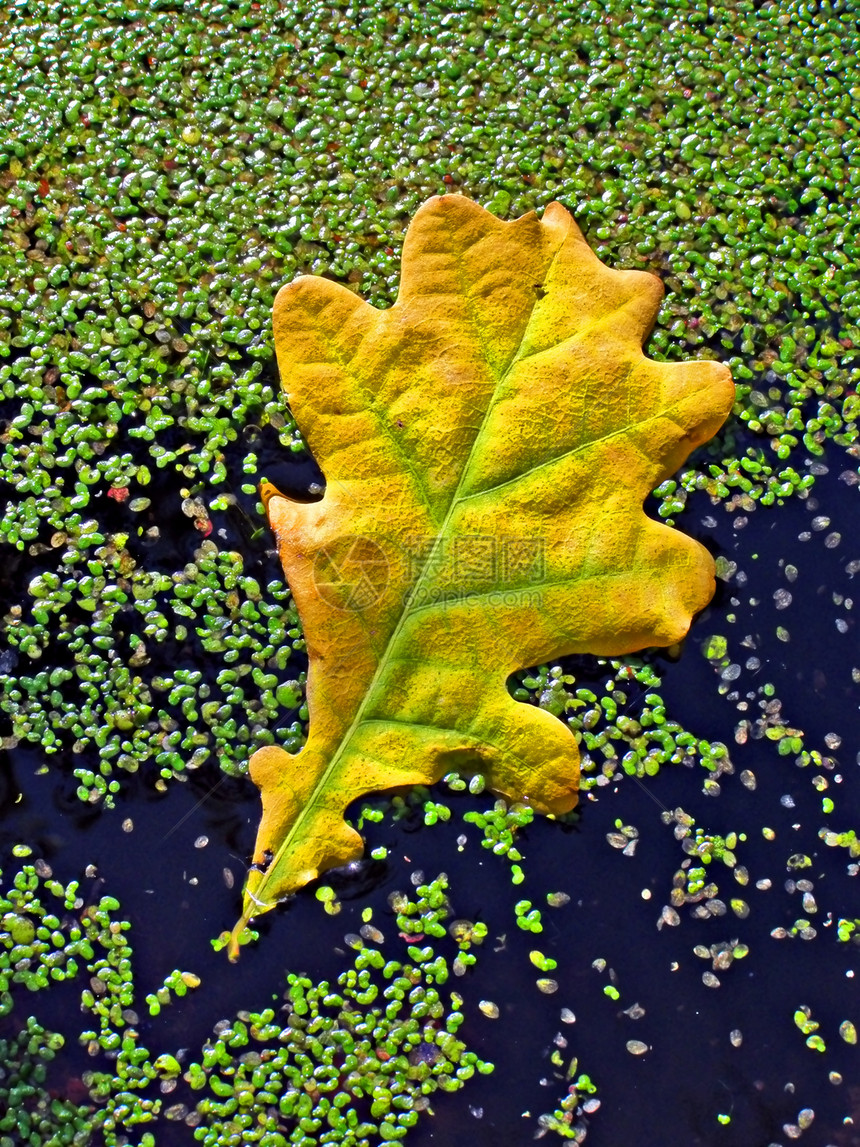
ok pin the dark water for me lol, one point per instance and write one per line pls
(176, 896)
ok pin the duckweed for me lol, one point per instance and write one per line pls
(112, 703)
(499, 828)
(50, 934)
(352, 1063)
(30, 1113)
(568, 1121)
(356, 1061)
(613, 742)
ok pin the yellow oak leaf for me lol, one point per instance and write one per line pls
(487, 443)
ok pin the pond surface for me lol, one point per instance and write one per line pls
(609, 934)
(163, 171)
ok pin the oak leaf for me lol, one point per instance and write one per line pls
(487, 443)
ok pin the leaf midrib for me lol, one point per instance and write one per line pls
(321, 785)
